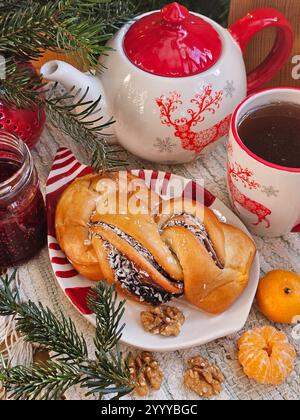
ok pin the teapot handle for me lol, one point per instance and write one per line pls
(246, 28)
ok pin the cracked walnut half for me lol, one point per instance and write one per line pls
(146, 373)
(163, 320)
(203, 378)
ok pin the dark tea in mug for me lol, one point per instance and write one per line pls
(272, 132)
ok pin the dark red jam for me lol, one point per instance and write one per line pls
(22, 217)
(7, 169)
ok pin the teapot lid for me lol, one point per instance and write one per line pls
(172, 43)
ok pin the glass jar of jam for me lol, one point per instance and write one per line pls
(22, 209)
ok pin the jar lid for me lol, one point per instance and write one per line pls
(172, 43)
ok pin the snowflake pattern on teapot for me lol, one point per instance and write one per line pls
(206, 102)
(165, 145)
(229, 89)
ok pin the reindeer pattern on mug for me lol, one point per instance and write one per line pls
(184, 127)
(243, 176)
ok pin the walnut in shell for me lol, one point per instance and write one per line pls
(146, 373)
(203, 378)
(163, 320)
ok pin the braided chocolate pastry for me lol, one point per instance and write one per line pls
(106, 226)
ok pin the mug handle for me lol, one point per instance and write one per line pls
(244, 29)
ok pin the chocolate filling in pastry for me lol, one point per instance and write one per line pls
(197, 230)
(139, 247)
(133, 279)
(129, 275)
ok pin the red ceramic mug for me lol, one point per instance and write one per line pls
(266, 196)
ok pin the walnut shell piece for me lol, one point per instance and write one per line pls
(203, 378)
(163, 320)
(146, 373)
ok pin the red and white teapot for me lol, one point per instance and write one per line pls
(173, 79)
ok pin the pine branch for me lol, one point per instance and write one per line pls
(85, 39)
(111, 13)
(22, 87)
(105, 157)
(9, 298)
(85, 112)
(25, 32)
(108, 374)
(80, 119)
(70, 26)
(44, 382)
(7, 6)
(104, 303)
(39, 325)
(111, 371)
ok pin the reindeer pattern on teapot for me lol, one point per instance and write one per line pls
(184, 127)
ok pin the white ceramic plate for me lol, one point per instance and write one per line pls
(199, 328)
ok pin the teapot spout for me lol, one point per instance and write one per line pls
(91, 86)
(64, 73)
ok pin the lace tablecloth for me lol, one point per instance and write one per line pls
(38, 283)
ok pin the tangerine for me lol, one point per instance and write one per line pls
(278, 296)
(74, 60)
(266, 355)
